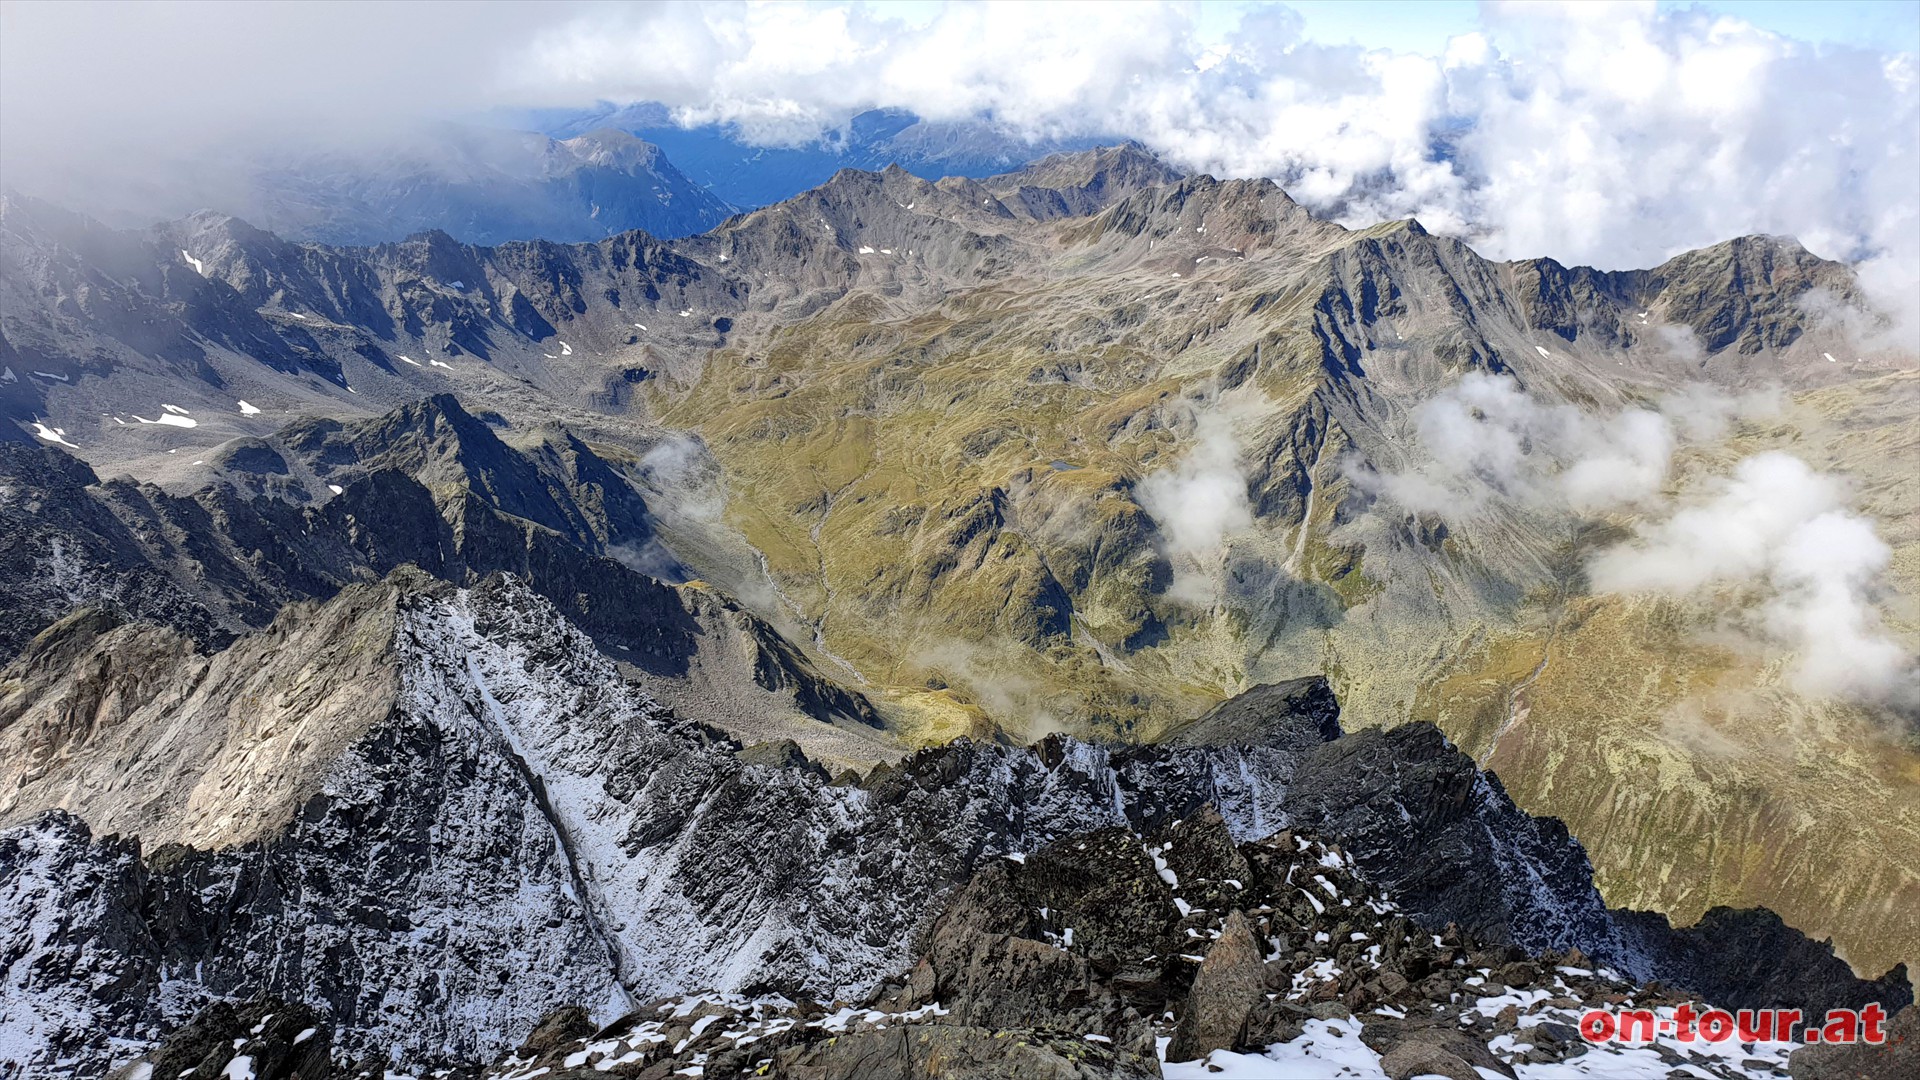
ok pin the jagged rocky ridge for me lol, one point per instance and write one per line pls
(100, 323)
(505, 824)
(429, 485)
(1179, 953)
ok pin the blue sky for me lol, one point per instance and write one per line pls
(1425, 26)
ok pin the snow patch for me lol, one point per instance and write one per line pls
(249, 410)
(52, 435)
(1327, 1048)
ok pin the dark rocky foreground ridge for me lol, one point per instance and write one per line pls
(495, 822)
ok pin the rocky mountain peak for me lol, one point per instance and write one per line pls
(610, 147)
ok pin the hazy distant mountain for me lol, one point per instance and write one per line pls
(485, 186)
(748, 175)
(478, 184)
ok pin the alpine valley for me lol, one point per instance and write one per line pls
(1089, 621)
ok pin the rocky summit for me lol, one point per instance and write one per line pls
(436, 814)
(1087, 621)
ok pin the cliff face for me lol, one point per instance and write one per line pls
(465, 816)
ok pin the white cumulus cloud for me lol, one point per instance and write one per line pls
(1779, 524)
(1611, 134)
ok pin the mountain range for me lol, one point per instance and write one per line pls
(748, 174)
(562, 175)
(741, 613)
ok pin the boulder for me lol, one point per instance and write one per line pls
(1230, 982)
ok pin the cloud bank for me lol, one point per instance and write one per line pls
(1614, 134)
(1484, 438)
(1778, 523)
(1200, 502)
(1775, 530)
(1609, 134)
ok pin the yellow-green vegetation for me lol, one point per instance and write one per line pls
(946, 488)
(1676, 751)
(949, 502)
(1695, 779)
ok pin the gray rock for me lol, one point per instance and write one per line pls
(1228, 985)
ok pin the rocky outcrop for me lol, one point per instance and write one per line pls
(1295, 967)
(516, 789)
(429, 485)
(266, 1040)
(1229, 984)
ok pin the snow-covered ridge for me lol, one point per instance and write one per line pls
(526, 829)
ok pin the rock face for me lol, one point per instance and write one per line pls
(429, 485)
(1899, 1058)
(1295, 967)
(506, 785)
